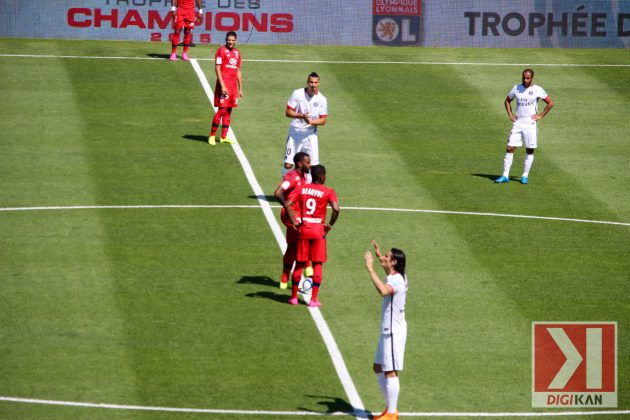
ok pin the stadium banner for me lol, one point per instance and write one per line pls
(437, 23)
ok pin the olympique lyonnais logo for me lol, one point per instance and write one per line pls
(396, 22)
(574, 364)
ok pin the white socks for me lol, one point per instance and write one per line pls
(529, 159)
(390, 387)
(393, 388)
(507, 163)
(509, 158)
(382, 384)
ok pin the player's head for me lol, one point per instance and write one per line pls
(230, 40)
(528, 77)
(312, 83)
(302, 162)
(399, 260)
(318, 174)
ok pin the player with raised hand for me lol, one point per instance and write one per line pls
(313, 201)
(390, 350)
(184, 17)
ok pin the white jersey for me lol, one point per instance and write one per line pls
(393, 310)
(527, 100)
(315, 106)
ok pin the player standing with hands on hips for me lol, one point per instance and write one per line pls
(524, 123)
(390, 351)
(307, 107)
(229, 87)
(184, 17)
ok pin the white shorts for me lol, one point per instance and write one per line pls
(524, 132)
(390, 351)
(299, 141)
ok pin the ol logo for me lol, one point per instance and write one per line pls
(574, 364)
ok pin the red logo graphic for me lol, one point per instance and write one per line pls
(574, 364)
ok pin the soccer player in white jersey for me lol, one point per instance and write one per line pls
(390, 351)
(524, 123)
(308, 109)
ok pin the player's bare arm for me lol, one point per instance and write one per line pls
(334, 216)
(199, 12)
(239, 79)
(217, 70)
(508, 108)
(545, 111)
(292, 113)
(319, 121)
(382, 288)
(279, 194)
(377, 250)
(174, 9)
(288, 205)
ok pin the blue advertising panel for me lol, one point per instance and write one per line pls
(462, 23)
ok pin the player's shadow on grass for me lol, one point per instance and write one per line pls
(164, 56)
(488, 176)
(331, 405)
(261, 280)
(268, 198)
(264, 281)
(167, 56)
(280, 298)
(196, 137)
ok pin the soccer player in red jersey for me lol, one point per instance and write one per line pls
(229, 87)
(313, 201)
(183, 18)
(292, 180)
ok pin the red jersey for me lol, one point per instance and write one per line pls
(186, 5)
(230, 62)
(292, 180)
(313, 200)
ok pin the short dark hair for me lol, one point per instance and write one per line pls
(318, 172)
(231, 33)
(313, 74)
(401, 260)
(300, 157)
(529, 71)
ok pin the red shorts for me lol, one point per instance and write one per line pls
(231, 101)
(185, 19)
(312, 245)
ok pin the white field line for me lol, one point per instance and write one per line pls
(262, 198)
(363, 62)
(322, 326)
(301, 413)
(167, 409)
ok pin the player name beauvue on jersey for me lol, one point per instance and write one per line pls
(311, 191)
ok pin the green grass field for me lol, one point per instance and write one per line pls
(179, 307)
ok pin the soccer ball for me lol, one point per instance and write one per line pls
(305, 286)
